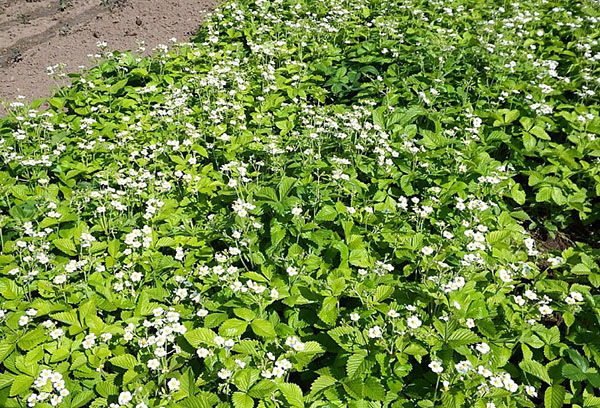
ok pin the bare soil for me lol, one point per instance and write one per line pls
(36, 34)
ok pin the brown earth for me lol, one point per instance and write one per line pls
(36, 34)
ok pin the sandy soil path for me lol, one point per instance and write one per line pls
(35, 34)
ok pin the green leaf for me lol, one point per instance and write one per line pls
(242, 400)
(263, 328)
(462, 337)
(116, 87)
(65, 245)
(511, 116)
(285, 186)
(554, 396)
(200, 336)
(329, 310)
(244, 379)
(244, 313)
(534, 368)
(166, 242)
(81, 398)
(32, 339)
(359, 257)
(353, 365)
(518, 194)
(312, 347)
(573, 373)
(233, 327)
(262, 389)
(20, 384)
(5, 350)
(126, 361)
(321, 383)
(580, 269)
(539, 133)
(293, 394)
(327, 213)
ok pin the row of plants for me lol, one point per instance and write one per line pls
(328, 203)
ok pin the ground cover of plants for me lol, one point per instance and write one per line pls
(327, 203)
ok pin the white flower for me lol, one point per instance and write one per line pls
(291, 271)
(496, 382)
(531, 391)
(354, 317)
(202, 352)
(505, 276)
(202, 313)
(153, 364)
(56, 333)
(427, 250)
(60, 279)
(463, 367)
(125, 398)
(296, 211)
(173, 384)
(519, 300)
(392, 313)
(224, 373)
(481, 370)
(436, 366)
(375, 332)
(483, 348)
(294, 343)
(413, 322)
(545, 310)
(530, 295)
(578, 297)
(470, 323)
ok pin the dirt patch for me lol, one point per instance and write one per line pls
(36, 34)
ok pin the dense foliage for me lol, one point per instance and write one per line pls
(318, 203)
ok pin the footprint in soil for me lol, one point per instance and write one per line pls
(12, 56)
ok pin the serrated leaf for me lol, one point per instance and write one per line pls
(353, 364)
(126, 361)
(534, 368)
(242, 400)
(573, 373)
(200, 336)
(554, 396)
(321, 383)
(292, 394)
(5, 350)
(312, 347)
(20, 384)
(65, 245)
(263, 328)
(327, 213)
(32, 339)
(462, 337)
(166, 242)
(81, 398)
(329, 310)
(359, 257)
(233, 327)
(262, 389)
